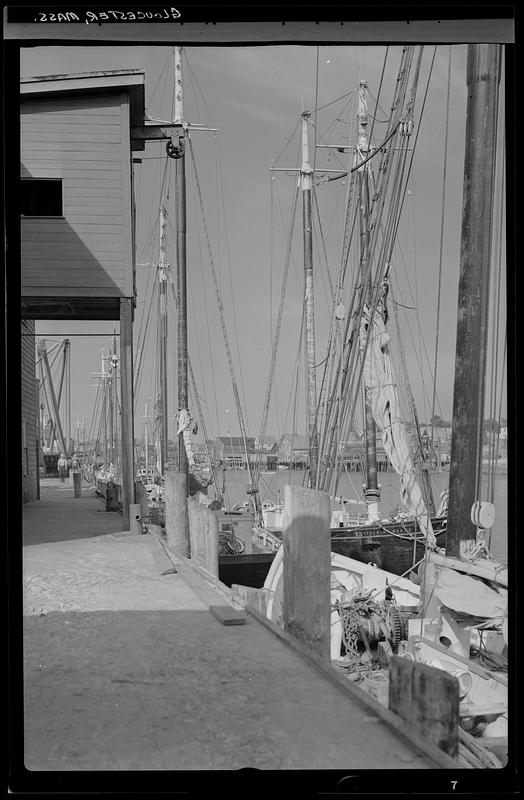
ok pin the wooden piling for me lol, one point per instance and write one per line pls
(483, 77)
(127, 426)
(203, 536)
(307, 567)
(77, 483)
(141, 499)
(177, 520)
(428, 699)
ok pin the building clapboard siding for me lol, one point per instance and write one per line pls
(77, 228)
(77, 130)
(30, 414)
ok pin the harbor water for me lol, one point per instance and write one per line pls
(272, 490)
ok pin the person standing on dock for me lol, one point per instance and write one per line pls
(62, 467)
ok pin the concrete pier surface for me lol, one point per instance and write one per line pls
(125, 668)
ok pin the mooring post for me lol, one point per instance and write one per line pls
(307, 567)
(77, 483)
(141, 499)
(177, 520)
(203, 533)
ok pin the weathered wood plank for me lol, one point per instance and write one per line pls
(66, 247)
(104, 105)
(177, 524)
(127, 200)
(203, 535)
(428, 699)
(53, 133)
(106, 242)
(228, 615)
(41, 224)
(72, 157)
(84, 205)
(109, 219)
(94, 191)
(307, 567)
(80, 279)
(86, 174)
(66, 292)
(36, 144)
(60, 160)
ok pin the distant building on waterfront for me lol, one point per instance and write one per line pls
(232, 451)
(293, 450)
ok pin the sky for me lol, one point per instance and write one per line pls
(254, 96)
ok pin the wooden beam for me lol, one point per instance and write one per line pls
(149, 133)
(126, 402)
(487, 570)
(307, 567)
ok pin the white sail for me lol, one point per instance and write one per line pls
(383, 395)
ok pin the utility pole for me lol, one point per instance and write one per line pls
(483, 78)
(306, 173)
(372, 490)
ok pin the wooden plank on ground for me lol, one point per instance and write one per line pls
(228, 615)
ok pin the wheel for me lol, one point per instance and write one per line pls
(394, 622)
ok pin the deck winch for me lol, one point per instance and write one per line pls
(368, 621)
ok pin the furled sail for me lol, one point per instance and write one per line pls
(383, 395)
(186, 426)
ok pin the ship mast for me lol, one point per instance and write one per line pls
(162, 314)
(306, 172)
(483, 77)
(181, 227)
(372, 489)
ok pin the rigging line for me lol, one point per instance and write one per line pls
(275, 162)
(349, 353)
(166, 64)
(322, 138)
(315, 112)
(202, 95)
(361, 163)
(421, 341)
(441, 246)
(331, 102)
(296, 369)
(138, 365)
(338, 119)
(496, 303)
(142, 333)
(276, 338)
(228, 251)
(93, 414)
(222, 318)
(324, 249)
(378, 280)
(379, 91)
(204, 295)
(147, 337)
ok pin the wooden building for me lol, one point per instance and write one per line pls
(77, 206)
(232, 451)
